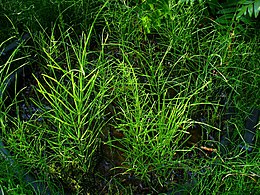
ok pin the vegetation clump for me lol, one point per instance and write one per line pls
(120, 97)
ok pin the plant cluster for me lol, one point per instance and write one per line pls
(131, 97)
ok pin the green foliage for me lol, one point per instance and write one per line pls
(136, 83)
(252, 8)
(240, 11)
(190, 1)
(242, 7)
(154, 14)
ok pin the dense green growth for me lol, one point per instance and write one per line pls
(130, 97)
